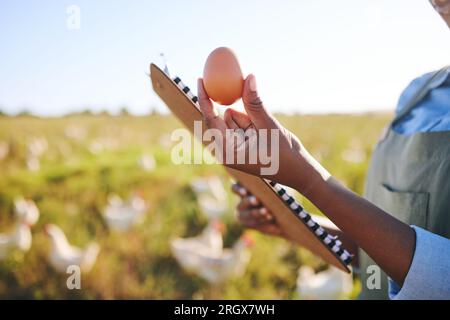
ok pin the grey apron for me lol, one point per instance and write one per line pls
(409, 178)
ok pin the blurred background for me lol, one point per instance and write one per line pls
(86, 175)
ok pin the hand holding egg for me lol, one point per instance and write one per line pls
(224, 83)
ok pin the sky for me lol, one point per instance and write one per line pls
(309, 56)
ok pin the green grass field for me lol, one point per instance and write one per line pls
(76, 176)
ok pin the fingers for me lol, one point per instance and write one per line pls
(210, 114)
(206, 105)
(260, 219)
(229, 119)
(239, 190)
(242, 120)
(255, 215)
(254, 106)
(270, 228)
(248, 202)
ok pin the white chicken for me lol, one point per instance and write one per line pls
(20, 238)
(231, 263)
(187, 250)
(205, 256)
(102, 144)
(26, 211)
(353, 155)
(121, 216)
(211, 185)
(37, 147)
(33, 163)
(331, 284)
(212, 207)
(4, 149)
(62, 254)
(212, 197)
(147, 162)
(75, 132)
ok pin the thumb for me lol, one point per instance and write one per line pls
(254, 106)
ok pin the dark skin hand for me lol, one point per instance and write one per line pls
(388, 241)
(252, 214)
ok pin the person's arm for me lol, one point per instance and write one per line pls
(252, 214)
(388, 241)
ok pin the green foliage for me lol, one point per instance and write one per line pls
(71, 191)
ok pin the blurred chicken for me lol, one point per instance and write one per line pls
(230, 263)
(331, 284)
(37, 147)
(147, 162)
(20, 238)
(211, 185)
(26, 211)
(102, 144)
(75, 132)
(206, 257)
(33, 163)
(121, 216)
(96, 147)
(186, 250)
(353, 155)
(211, 207)
(4, 149)
(211, 195)
(63, 255)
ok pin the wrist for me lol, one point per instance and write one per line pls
(313, 186)
(313, 176)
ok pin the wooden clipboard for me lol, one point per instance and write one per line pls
(187, 112)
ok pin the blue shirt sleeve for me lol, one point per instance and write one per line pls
(429, 274)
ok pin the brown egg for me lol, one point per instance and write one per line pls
(222, 76)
